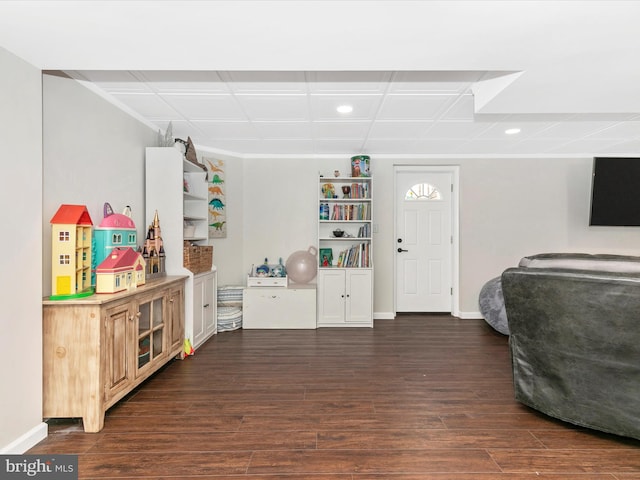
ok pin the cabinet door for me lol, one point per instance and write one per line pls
(209, 305)
(331, 296)
(150, 328)
(198, 313)
(175, 320)
(359, 297)
(118, 349)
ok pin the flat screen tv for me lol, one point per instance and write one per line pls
(615, 192)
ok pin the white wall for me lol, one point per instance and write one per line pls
(20, 293)
(509, 208)
(93, 153)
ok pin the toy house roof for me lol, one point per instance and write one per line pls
(72, 215)
(117, 221)
(119, 259)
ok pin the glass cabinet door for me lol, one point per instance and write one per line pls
(150, 331)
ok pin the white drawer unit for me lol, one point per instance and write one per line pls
(277, 307)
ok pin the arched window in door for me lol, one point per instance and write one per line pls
(424, 192)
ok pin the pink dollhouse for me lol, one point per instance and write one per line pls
(123, 269)
(71, 229)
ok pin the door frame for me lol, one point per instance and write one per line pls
(454, 170)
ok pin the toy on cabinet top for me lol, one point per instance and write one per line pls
(360, 166)
(153, 250)
(115, 230)
(71, 244)
(123, 269)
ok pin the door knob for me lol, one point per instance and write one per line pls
(400, 250)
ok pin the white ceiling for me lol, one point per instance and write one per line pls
(423, 77)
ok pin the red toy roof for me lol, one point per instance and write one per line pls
(72, 215)
(119, 258)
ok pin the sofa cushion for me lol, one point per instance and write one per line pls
(583, 261)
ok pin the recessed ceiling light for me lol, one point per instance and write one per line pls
(345, 109)
(512, 131)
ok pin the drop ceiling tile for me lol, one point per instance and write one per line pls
(390, 146)
(622, 130)
(206, 106)
(456, 130)
(183, 81)
(289, 146)
(573, 130)
(348, 82)
(439, 146)
(527, 129)
(534, 146)
(275, 107)
(266, 82)
(280, 130)
(147, 104)
(400, 130)
(413, 107)
(348, 147)
(344, 129)
(484, 146)
(630, 148)
(225, 130)
(323, 107)
(589, 146)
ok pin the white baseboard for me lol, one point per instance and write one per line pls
(26, 441)
(462, 315)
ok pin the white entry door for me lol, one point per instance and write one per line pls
(423, 243)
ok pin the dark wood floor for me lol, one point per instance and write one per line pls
(419, 397)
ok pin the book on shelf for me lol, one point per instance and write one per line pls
(357, 256)
(360, 211)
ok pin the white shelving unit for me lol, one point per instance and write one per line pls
(168, 176)
(345, 279)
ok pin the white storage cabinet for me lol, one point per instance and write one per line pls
(167, 173)
(204, 307)
(276, 307)
(345, 298)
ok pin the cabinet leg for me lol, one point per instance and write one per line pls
(93, 422)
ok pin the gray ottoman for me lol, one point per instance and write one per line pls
(492, 305)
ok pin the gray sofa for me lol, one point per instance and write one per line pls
(575, 338)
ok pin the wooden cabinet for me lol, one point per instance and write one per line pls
(277, 307)
(345, 297)
(98, 348)
(345, 251)
(178, 190)
(204, 307)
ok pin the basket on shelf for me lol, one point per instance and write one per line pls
(198, 258)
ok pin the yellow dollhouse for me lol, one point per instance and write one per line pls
(71, 229)
(123, 269)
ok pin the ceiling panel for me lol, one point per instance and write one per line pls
(365, 106)
(276, 107)
(344, 129)
(199, 106)
(411, 112)
(414, 107)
